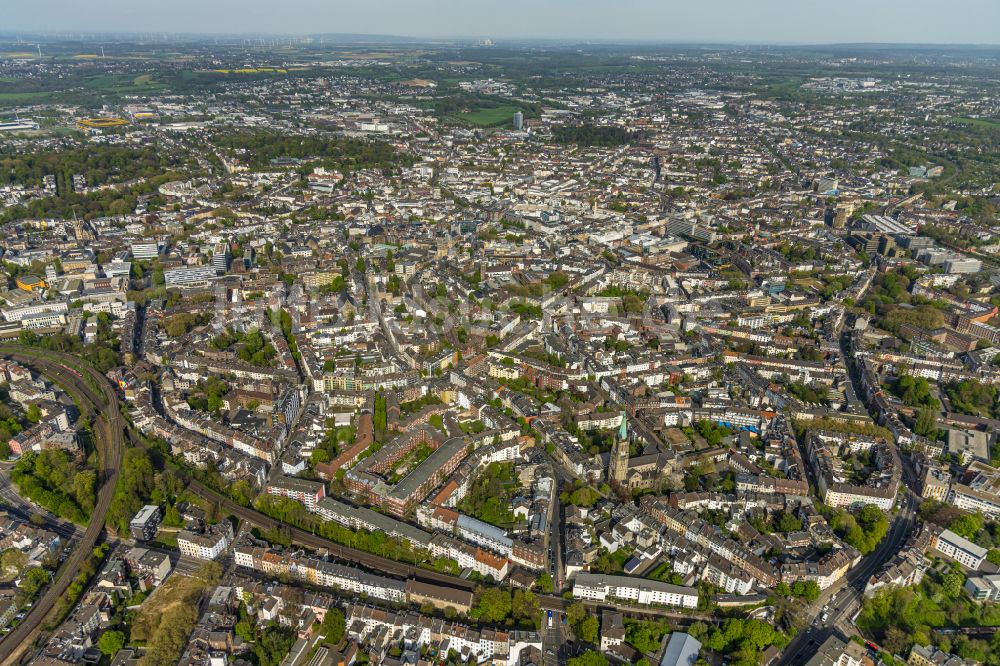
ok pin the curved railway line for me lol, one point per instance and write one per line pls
(97, 398)
(101, 406)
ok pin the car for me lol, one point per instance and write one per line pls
(825, 616)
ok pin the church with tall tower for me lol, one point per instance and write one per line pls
(618, 468)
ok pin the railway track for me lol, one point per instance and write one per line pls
(80, 380)
(303, 538)
(384, 565)
(101, 406)
(106, 405)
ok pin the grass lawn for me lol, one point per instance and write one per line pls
(489, 117)
(166, 539)
(123, 83)
(809, 282)
(168, 615)
(18, 97)
(982, 122)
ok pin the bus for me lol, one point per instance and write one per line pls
(550, 619)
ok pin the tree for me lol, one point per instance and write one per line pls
(915, 391)
(592, 135)
(333, 626)
(589, 658)
(47, 478)
(135, 484)
(864, 530)
(545, 585)
(241, 492)
(494, 605)
(585, 625)
(760, 634)
(967, 525)
(745, 638)
(575, 613)
(896, 641)
(584, 496)
(925, 422)
(244, 628)
(557, 279)
(589, 629)
(789, 523)
(85, 489)
(972, 397)
(524, 606)
(34, 580)
(172, 517)
(33, 413)
(952, 583)
(111, 642)
(273, 644)
(645, 635)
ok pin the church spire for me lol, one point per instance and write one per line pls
(618, 469)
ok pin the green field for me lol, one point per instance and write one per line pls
(981, 122)
(489, 117)
(122, 83)
(20, 97)
(78, 90)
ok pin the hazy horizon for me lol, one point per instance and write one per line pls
(778, 22)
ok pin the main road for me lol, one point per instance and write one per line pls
(96, 399)
(80, 380)
(847, 595)
(853, 584)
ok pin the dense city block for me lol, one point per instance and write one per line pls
(322, 352)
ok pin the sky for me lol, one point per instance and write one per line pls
(728, 21)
